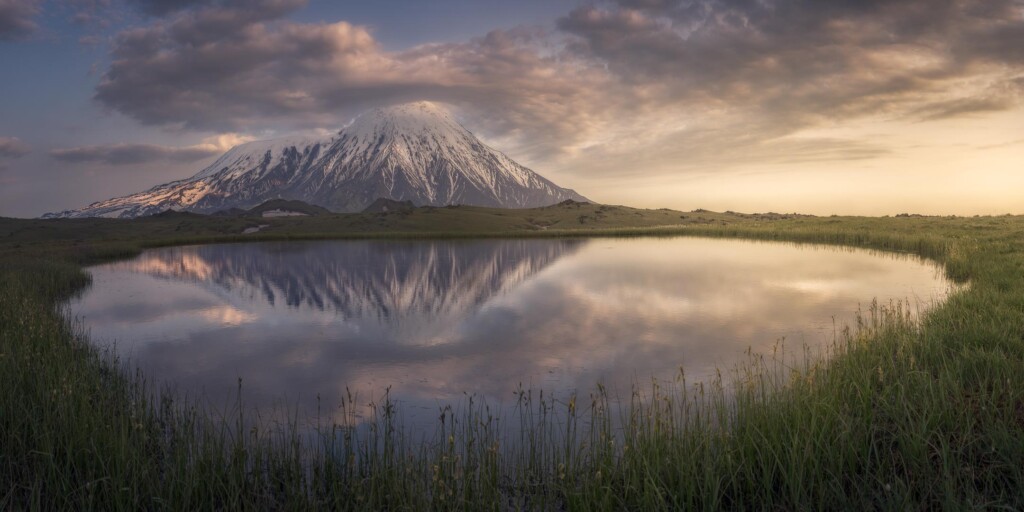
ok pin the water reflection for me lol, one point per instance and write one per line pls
(436, 319)
(386, 281)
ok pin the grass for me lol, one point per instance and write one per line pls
(912, 412)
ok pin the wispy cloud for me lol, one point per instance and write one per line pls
(1002, 144)
(166, 7)
(127, 154)
(13, 147)
(962, 107)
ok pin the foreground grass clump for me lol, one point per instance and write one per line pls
(912, 412)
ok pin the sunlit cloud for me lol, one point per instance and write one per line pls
(660, 79)
(227, 315)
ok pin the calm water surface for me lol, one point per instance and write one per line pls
(436, 320)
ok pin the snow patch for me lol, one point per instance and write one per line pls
(255, 229)
(284, 213)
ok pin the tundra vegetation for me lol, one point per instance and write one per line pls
(911, 412)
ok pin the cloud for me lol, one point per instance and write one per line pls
(236, 76)
(633, 77)
(804, 59)
(126, 154)
(13, 147)
(1002, 144)
(90, 40)
(226, 141)
(16, 18)
(163, 7)
(169, 7)
(756, 72)
(963, 107)
(219, 68)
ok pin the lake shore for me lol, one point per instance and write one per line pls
(914, 413)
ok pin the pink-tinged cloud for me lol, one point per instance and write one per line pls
(13, 147)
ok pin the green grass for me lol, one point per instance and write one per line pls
(911, 412)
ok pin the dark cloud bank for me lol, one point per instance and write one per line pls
(697, 77)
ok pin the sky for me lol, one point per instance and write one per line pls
(859, 107)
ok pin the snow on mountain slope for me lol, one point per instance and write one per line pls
(415, 152)
(245, 157)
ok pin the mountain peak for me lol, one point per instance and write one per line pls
(408, 119)
(416, 108)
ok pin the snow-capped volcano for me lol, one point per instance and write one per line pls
(415, 152)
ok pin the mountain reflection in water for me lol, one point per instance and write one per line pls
(389, 282)
(435, 319)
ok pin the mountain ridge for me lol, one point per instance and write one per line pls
(412, 152)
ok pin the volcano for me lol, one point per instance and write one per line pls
(413, 152)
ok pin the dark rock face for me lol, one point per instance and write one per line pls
(385, 205)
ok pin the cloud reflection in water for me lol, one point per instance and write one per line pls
(436, 319)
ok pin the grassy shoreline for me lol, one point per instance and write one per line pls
(914, 413)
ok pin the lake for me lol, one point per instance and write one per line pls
(436, 321)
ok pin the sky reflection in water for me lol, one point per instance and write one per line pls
(434, 320)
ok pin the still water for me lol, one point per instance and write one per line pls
(436, 320)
